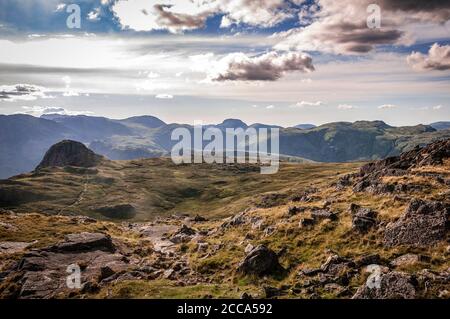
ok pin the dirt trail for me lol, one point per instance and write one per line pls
(156, 234)
(79, 198)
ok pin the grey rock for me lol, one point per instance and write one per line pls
(321, 214)
(84, 242)
(363, 218)
(183, 235)
(423, 224)
(393, 285)
(260, 261)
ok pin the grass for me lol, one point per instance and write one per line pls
(165, 289)
(157, 187)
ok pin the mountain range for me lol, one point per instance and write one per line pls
(24, 139)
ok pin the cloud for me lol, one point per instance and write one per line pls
(60, 7)
(307, 103)
(270, 107)
(164, 96)
(437, 107)
(438, 58)
(173, 15)
(41, 110)
(267, 67)
(346, 107)
(340, 27)
(387, 106)
(71, 93)
(262, 13)
(94, 15)
(180, 15)
(22, 92)
(68, 92)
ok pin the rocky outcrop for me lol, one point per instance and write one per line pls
(260, 261)
(363, 218)
(183, 235)
(369, 176)
(44, 273)
(432, 154)
(69, 153)
(11, 247)
(83, 242)
(321, 214)
(393, 285)
(424, 223)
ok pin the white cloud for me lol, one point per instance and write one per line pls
(41, 110)
(164, 96)
(60, 7)
(346, 107)
(437, 107)
(269, 107)
(71, 93)
(307, 104)
(94, 15)
(438, 58)
(181, 15)
(153, 75)
(387, 106)
(68, 92)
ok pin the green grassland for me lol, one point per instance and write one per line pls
(157, 187)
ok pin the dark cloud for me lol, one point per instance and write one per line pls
(341, 26)
(38, 69)
(268, 67)
(21, 92)
(415, 5)
(178, 21)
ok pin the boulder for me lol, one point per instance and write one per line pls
(424, 223)
(183, 235)
(363, 218)
(408, 260)
(43, 273)
(12, 247)
(260, 261)
(236, 220)
(321, 214)
(84, 242)
(393, 285)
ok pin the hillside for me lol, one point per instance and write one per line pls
(149, 137)
(378, 230)
(152, 187)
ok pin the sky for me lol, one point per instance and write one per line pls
(268, 61)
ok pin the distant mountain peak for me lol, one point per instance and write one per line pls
(69, 153)
(145, 120)
(233, 123)
(305, 126)
(440, 126)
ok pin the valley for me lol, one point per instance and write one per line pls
(149, 229)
